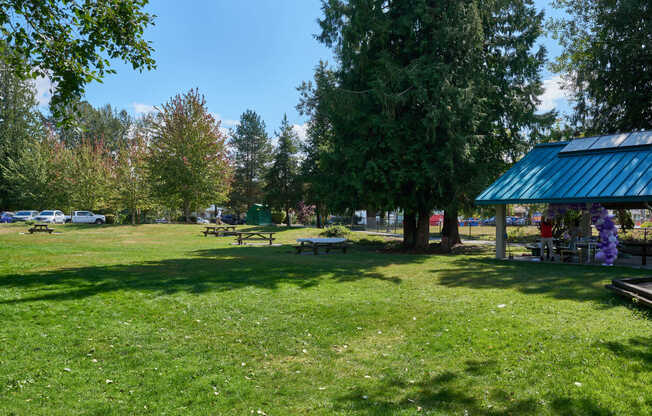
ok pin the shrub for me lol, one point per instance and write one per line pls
(278, 217)
(110, 219)
(193, 219)
(336, 231)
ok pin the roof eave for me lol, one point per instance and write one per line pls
(589, 200)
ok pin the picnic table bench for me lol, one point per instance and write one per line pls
(315, 244)
(244, 237)
(40, 228)
(219, 230)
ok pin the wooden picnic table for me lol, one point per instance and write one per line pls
(636, 248)
(242, 237)
(40, 228)
(315, 244)
(219, 230)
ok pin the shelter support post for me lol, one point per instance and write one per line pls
(501, 230)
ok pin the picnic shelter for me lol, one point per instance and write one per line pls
(613, 170)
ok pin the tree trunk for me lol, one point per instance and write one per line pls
(133, 217)
(450, 233)
(409, 229)
(317, 211)
(422, 239)
(287, 216)
(371, 218)
(186, 211)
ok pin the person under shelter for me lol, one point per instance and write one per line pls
(546, 238)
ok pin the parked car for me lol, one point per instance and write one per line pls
(201, 220)
(87, 217)
(489, 221)
(161, 221)
(7, 217)
(519, 221)
(469, 222)
(25, 215)
(51, 217)
(232, 219)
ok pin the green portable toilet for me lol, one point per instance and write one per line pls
(259, 215)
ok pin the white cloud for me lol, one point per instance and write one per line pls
(44, 89)
(140, 108)
(301, 130)
(553, 94)
(225, 123)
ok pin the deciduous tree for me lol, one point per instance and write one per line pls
(188, 163)
(89, 176)
(30, 176)
(131, 176)
(73, 42)
(606, 63)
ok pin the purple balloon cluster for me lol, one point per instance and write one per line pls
(608, 243)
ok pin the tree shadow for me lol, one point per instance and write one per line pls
(559, 281)
(455, 393)
(637, 350)
(214, 270)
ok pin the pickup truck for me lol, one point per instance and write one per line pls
(87, 217)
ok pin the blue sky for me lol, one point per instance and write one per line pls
(240, 54)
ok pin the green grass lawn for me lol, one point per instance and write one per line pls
(156, 319)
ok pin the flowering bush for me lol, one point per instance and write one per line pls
(304, 212)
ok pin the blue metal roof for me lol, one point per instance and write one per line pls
(607, 169)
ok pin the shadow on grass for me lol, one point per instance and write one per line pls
(637, 350)
(458, 393)
(202, 271)
(559, 281)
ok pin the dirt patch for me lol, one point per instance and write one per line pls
(436, 249)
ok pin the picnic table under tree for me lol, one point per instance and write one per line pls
(244, 237)
(315, 244)
(219, 230)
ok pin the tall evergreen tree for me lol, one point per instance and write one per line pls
(606, 63)
(103, 124)
(282, 189)
(251, 152)
(314, 176)
(430, 98)
(20, 126)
